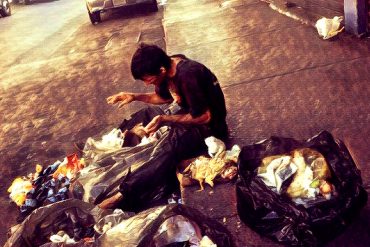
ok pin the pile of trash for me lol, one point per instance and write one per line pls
(309, 172)
(45, 186)
(220, 166)
(109, 165)
(144, 173)
(140, 170)
(76, 223)
(298, 192)
(295, 192)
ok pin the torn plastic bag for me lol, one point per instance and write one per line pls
(76, 218)
(177, 229)
(111, 220)
(309, 169)
(281, 219)
(152, 228)
(109, 143)
(144, 174)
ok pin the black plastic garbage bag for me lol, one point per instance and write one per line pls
(144, 174)
(141, 229)
(125, 229)
(278, 217)
(74, 217)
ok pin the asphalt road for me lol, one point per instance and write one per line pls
(34, 32)
(56, 71)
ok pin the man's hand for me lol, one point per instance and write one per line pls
(154, 125)
(122, 97)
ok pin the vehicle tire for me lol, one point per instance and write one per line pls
(27, 2)
(94, 17)
(154, 6)
(6, 10)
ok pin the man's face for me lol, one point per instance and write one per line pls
(155, 80)
(152, 80)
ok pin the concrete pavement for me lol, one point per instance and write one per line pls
(279, 78)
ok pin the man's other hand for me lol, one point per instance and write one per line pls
(154, 125)
(122, 97)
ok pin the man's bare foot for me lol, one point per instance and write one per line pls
(111, 202)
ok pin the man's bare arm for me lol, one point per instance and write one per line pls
(125, 98)
(188, 119)
(181, 118)
(151, 98)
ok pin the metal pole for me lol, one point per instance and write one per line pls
(356, 16)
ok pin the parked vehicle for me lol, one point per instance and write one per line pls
(5, 9)
(95, 7)
(26, 2)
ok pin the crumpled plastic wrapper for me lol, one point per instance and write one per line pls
(306, 165)
(221, 164)
(19, 189)
(216, 147)
(109, 142)
(328, 28)
(177, 229)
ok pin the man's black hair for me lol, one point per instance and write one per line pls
(147, 60)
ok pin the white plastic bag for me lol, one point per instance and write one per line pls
(328, 28)
(216, 147)
(109, 142)
(176, 229)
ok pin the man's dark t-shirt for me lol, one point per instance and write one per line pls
(199, 90)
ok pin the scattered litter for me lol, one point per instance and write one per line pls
(288, 13)
(177, 229)
(174, 198)
(44, 186)
(216, 147)
(69, 167)
(328, 28)
(233, 154)
(220, 167)
(62, 237)
(206, 242)
(109, 142)
(19, 189)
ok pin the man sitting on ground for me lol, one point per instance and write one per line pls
(179, 80)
